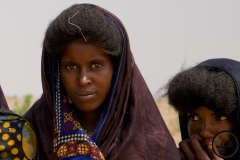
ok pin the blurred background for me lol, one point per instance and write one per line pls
(165, 36)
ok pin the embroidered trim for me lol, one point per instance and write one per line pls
(70, 139)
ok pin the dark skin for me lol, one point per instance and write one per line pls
(203, 125)
(190, 149)
(86, 73)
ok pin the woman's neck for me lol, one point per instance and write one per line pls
(89, 120)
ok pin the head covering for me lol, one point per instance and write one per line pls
(233, 68)
(3, 102)
(131, 126)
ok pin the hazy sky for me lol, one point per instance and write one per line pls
(164, 35)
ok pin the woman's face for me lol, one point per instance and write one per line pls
(207, 124)
(86, 73)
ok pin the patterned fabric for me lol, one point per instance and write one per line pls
(76, 144)
(131, 126)
(70, 139)
(17, 139)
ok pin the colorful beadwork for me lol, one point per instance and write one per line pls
(70, 139)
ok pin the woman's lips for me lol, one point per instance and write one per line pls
(86, 96)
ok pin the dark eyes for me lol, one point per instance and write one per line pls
(96, 65)
(71, 67)
(222, 118)
(196, 118)
(193, 117)
(93, 66)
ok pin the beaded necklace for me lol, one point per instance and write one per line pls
(89, 133)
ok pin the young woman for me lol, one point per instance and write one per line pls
(207, 98)
(95, 103)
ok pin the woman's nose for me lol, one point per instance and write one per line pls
(84, 77)
(207, 130)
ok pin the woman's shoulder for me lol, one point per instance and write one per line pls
(37, 111)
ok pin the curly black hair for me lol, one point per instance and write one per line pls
(97, 27)
(203, 86)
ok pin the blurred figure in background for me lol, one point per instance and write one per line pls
(17, 138)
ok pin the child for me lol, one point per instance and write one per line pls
(207, 99)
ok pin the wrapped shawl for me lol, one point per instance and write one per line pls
(131, 126)
(3, 102)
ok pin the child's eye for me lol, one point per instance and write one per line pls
(71, 67)
(96, 65)
(222, 118)
(193, 117)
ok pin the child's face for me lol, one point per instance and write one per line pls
(86, 73)
(207, 124)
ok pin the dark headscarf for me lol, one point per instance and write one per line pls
(3, 102)
(233, 68)
(131, 126)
